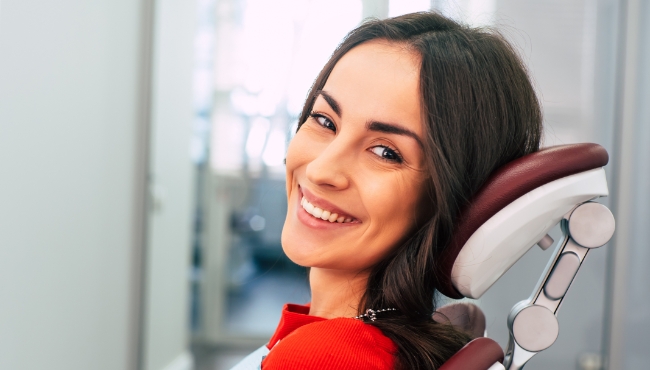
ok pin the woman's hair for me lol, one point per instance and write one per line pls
(480, 112)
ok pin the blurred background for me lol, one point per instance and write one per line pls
(142, 189)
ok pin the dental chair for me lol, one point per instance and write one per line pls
(514, 210)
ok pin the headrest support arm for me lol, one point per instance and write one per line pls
(507, 184)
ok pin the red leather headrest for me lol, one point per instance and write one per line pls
(466, 316)
(479, 354)
(511, 182)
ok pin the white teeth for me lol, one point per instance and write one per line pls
(322, 214)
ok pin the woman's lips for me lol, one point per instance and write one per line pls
(318, 212)
(323, 214)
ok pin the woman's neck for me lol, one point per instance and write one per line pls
(335, 293)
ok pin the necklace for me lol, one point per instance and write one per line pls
(372, 314)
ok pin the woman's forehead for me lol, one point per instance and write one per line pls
(380, 79)
(378, 63)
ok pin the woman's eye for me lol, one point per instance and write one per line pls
(386, 153)
(324, 121)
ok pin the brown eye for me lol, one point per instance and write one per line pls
(323, 121)
(386, 153)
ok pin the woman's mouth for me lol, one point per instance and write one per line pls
(323, 214)
(318, 211)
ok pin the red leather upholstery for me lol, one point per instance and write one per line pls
(511, 182)
(479, 354)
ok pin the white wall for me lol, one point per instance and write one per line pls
(629, 292)
(71, 182)
(169, 237)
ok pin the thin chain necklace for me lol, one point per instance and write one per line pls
(372, 314)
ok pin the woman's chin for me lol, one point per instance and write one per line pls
(299, 252)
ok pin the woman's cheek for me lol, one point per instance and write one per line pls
(299, 150)
(294, 157)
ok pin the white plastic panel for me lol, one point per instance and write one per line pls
(511, 232)
(252, 361)
(497, 366)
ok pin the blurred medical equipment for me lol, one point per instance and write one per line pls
(514, 210)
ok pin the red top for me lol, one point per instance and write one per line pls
(303, 342)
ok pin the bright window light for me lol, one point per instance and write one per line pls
(257, 137)
(327, 22)
(274, 152)
(475, 13)
(399, 7)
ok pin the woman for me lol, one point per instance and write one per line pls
(402, 126)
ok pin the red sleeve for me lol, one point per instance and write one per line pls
(333, 344)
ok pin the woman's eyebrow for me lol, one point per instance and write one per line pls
(393, 129)
(388, 128)
(331, 101)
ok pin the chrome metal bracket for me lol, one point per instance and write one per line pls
(532, 323)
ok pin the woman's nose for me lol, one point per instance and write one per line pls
(331, 166)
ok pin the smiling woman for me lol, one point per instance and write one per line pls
(345, 160)
(402, 126)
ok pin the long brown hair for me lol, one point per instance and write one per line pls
(480, 112)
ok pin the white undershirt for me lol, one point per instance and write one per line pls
(252, 361)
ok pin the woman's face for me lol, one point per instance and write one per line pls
(355, 168)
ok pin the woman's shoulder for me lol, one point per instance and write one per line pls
(341, 343)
